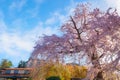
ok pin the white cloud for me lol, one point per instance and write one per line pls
(38, 1)
(19, 44)
(35, 11)
(2, 26)
(56, 18)
(41, 29)
(50, 20)
(12, 42)
(70, 9)
(17, 5)
(60, 17)
(114, 4)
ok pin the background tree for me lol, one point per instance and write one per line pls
(5, 64)
(65, 72)
(22, 64)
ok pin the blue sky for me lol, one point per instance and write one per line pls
(23, 21)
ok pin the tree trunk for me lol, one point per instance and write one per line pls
(99, 76)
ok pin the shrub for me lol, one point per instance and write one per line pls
(49, 69)
(65, 72)
(53, 78)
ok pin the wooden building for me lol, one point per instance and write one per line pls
(15, 73)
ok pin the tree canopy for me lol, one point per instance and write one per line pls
(92, 34)
(22, 64)
(5, 64)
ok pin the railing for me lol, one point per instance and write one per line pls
(15, 72)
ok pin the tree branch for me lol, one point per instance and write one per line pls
(78, 33)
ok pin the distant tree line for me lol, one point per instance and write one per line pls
(5, 63)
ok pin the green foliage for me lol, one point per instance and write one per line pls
(22, 64)
(5, 64)
(65, 72)
(53, 78)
